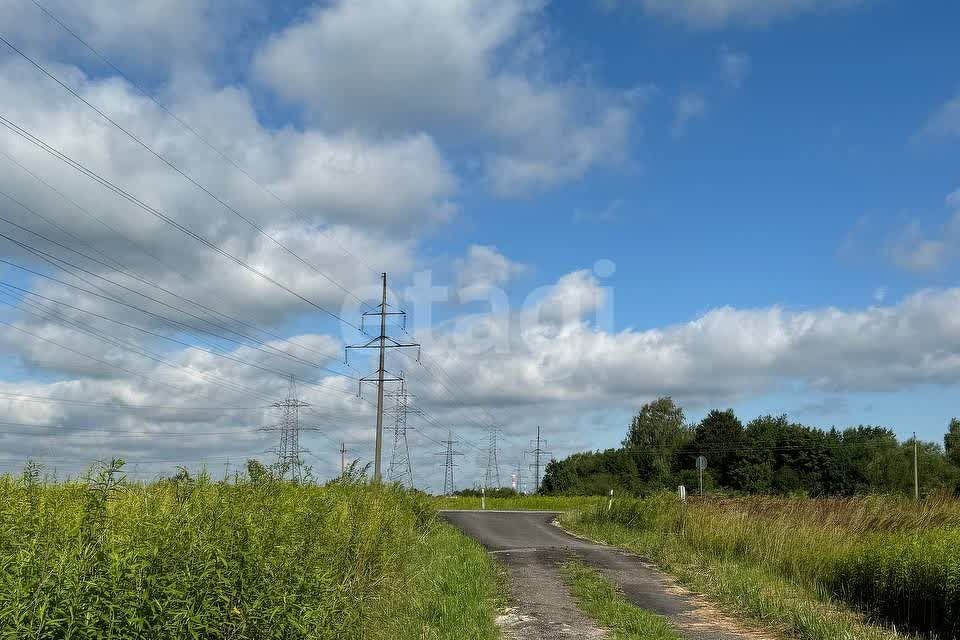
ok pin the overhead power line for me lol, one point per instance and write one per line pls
(182, 228)
(229, 385)
(26, 397)
(60, 262)
(168, 111)
(126, 270)
(56, 153)
(177, 169)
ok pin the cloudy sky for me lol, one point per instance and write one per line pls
(581, 206)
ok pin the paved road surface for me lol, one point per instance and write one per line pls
(533, 549)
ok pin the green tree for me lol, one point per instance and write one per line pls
(952, 441)
(593, 473)
(892, 469)
(653, 437)
(720, 438)
(257, 471)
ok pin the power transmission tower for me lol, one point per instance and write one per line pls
(537, 452)
(382, 342)
(449, 454)
(289, 451)
(400, 469)
(518, 474)
(492, 473)
(343, 458)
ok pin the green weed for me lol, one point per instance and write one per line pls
(601, 601)
(192, 558)
(791, 560)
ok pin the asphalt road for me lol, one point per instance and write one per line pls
(533, 549)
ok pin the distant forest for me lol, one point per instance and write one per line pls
(770, 454)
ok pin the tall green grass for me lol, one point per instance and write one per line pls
(193, 558)
(896, 560)
(521, 503)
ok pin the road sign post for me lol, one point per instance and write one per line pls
(701, 465)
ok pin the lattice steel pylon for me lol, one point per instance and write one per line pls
(289, 460)
(401, 468)
(449, 455)
(518, 474)
(491, 477)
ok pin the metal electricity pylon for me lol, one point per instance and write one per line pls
(289, 453)
(382, 342)
(537, 452)
(518, 474)
(401, 468)
(449, 455)
(491, 476)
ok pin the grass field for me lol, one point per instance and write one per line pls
(522, 503)
(804, 565)
(192, 558)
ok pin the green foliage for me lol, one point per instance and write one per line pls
(719, 437)
(190, 558)
(897, 559)
(656, 432)
(594, 474)
(493, 492)
(769, 455)
(600, 600)
(524, 502)
(913, 578)
(952, 441)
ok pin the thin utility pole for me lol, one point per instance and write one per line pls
(381, 342)
(343, 458)
(916, 470)
(380, 370)
(537, 452)
(536, 463)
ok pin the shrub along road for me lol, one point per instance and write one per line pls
(534, 552)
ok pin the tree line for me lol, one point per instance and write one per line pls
(769, 454)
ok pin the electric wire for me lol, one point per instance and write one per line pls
(33, 139)
(132, 274)
(177, 169)
(103, 58)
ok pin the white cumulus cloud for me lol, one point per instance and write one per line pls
(469, 71)
(485, 268)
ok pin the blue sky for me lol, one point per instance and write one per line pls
(770, 180)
